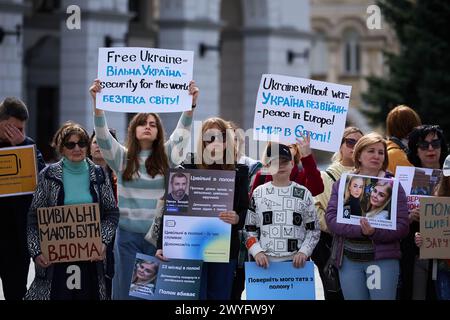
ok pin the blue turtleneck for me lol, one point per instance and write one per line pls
(76, 182)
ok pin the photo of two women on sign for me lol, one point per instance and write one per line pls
(373, 198)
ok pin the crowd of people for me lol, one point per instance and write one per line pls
(129, 182)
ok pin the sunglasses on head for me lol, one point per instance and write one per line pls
(424, 145)
(70, 145)
(350, 143)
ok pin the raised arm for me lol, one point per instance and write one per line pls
(177, 145)
(113, 152)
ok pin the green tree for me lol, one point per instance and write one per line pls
(419, 76)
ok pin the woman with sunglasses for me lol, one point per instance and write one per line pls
(400, 122)
(342, 161)
(217, 150)
(73, 180)
(308, 177)
(363, 248)
(442, 283)
(140, 167)
(427, 149)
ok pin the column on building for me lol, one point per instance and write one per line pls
(188, 25)
(271, 29)
(11, 49)
(79, 58)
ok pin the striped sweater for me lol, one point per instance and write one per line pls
(138, 198)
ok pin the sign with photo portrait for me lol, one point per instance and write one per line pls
(368, 197)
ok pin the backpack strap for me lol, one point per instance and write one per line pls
(330, 175)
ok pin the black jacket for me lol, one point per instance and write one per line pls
(240, 204)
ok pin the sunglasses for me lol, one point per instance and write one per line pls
(350, 143)
(70, 145)
(424, 145)
(219, 136)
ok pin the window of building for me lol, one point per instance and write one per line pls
(351, 52)
(46, 6)
(319, 57)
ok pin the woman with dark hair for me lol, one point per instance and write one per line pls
(140, 167)
(427, 149)
(73, 180)
(442, 283)
(94, 153)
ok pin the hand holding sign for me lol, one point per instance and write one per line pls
(304, 145)
(93, 90)
(42, 261)
(159, 254)
(194, 92)
(230, 217)
(261, 260)
(414, 215)
(299, 260)
(366, 228)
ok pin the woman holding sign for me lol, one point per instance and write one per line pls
(342, 162)
(442, 283)
(73, 180)
(427, 149)
(216, 150)
(140, 167)
(369, 257)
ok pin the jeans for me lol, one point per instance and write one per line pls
(360, 281)
(443, 285)
(125, 249)
(217, 280)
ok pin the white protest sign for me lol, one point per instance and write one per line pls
(144, 79)
(287, 107)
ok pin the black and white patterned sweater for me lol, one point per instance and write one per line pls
(281, 221)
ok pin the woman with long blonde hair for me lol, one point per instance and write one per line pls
(216, 150)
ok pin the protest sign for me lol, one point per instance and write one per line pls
(288, 107)
(153, 279)
(280, 281)
(192, 229)
(144, 79)
(368, 197)
(70, 233)
(18, 171)
(435, 227)
(417, 183)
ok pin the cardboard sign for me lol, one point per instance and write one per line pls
(70, 233)
(435, 227)
(288, 108)
(144, 79)
(153, 279)
(192, 229)
(18, 171)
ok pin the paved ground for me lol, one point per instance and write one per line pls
(319, 288)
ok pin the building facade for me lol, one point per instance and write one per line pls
(51, 64)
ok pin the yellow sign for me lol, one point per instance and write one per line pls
(18, 171)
